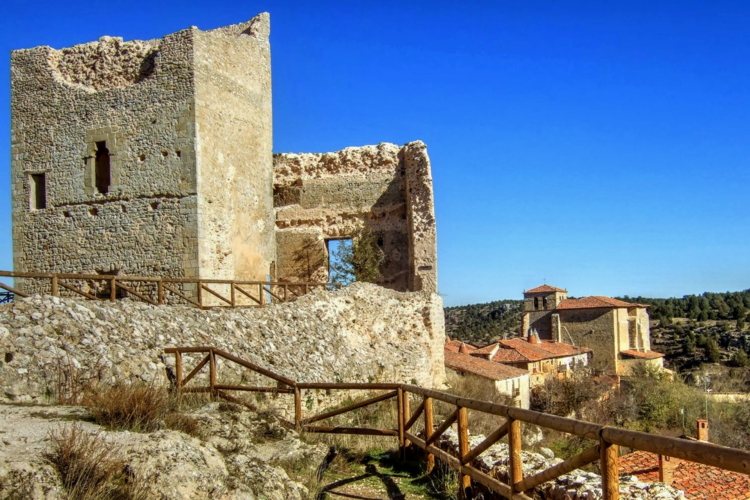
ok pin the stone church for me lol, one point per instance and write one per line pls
(154, 158)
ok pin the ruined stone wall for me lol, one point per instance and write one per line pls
(595, 329)
(137, 97)
(328, 196)
(234, 143)
(362, 333)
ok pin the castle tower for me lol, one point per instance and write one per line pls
(538, 304)
(145, 157)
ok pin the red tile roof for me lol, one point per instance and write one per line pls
(642, 355)
(455, 345)
(698, 481)
(545, 288)
(480, 366)
(595, 302)
(520, 350)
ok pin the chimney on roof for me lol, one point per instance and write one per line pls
(667, 466)
(463, 349)
(533, 337)
(702, 429)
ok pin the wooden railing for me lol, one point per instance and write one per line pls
(199, 292)
(605, 447)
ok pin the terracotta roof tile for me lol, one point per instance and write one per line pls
(545, 288)
(698, 481)
(643, 355)
(455, 345)
(538, 352)
(480, 366)
(595, 302)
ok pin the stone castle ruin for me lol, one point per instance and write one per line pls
(154, 157)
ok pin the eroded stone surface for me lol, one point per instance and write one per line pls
(362, 333)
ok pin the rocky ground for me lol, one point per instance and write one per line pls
(241, 455)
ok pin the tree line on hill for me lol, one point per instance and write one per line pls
(481, 323)
(704, 307)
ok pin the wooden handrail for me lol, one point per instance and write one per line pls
(158, 286)
(605, 449)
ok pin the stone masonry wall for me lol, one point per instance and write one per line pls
(234, 143)
(327, 196)
(361, 333)
(138, 97)
(596, 329)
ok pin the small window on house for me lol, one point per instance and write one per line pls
(102, 167)
(38, 192)
(536, 302)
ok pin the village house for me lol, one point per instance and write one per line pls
(540, 359)
(697, 481)
(616, 332)
(495, 377)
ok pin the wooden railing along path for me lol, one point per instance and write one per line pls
(605, 447)
(158, 290)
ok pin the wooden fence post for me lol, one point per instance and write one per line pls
(200, 295)
(428, 428)
(261, 295)
(609, 470)
(297, 409)
(463, 449)
(178, 370)
(514, 449)
(407, 417)
(401, 420)
(113, 289)
(159, 292)
(232, 295)
(54, 286)
(212, 373)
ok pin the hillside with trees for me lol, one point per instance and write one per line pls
(479, 324)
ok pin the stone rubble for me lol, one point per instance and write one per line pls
(242, 456)
(361, 333)
(577, 485)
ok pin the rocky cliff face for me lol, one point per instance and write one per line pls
(49, 346)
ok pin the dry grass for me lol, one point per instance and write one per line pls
(90, 467)
(140, 408)
(479, 422)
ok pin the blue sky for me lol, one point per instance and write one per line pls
(598, 146)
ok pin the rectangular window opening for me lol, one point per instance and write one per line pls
(340, 260)
(38, 191)
(102, 167)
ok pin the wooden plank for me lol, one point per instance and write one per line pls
(401, 421)
(694, 451)
(195, 370)
(406, 411)
(271, 293)
(493, 438)
(234, 400)
(515, 465)
(186, 350)
(212, 371)
(562, 424)
(428, 430)
(76, 290)
(254, 367)
(248, 388)
(297, 408)
(14, 291)
(443, 455)
(443, 427)
(609, 456)
(492, 483)
(346, 409)
(140, 296)
(348, 385)
(215, 294)
(350, 430)
(181, 295)
(415, 416)
(569, 465)
(247, 294)
(178, 370)
(463, 448)
(55, 291)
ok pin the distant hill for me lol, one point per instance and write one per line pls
(708, 306)
(481, 323)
